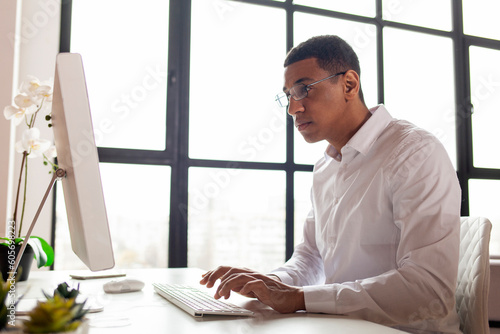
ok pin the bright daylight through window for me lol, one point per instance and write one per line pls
(197, 158)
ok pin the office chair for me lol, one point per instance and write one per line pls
(473, 275)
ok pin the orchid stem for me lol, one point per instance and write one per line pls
(25, 154)
(34, 115)
(24, 197)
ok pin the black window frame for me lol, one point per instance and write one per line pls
(176, 154)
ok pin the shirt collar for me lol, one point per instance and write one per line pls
(366, 136)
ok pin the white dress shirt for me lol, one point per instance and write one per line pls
(382, 239)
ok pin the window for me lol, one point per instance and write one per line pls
(182, 99)
(485, 96)
(235, 66)
(236, 216)
(410, 88)
(126, 69)
(126, 73)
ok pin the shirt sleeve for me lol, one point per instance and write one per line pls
(306, 266)
(426, 208)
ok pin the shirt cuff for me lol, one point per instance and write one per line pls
(319, 299)
(283, 276)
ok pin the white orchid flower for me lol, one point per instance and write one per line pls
(30, 86)
(16, 115)
(44, 91)
(36, 90)
(23, 101)
(51, 152)
(32, 143)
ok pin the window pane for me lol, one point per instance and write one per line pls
(125, 60)
(362, 38)
(419, 82)
(302, 202)
(236, 217)
(483, 202)
(485, 96)
(481, 18)
(236, 70)
(359, 7)
(138, 224)
(426, 13)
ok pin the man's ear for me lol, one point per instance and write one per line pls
(351, 84)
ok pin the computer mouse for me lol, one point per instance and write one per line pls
(122, 286)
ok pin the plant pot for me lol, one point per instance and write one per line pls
(7, 260)
(82, 329)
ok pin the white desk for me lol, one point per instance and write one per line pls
(147, 312)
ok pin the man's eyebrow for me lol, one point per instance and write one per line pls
(301, 80)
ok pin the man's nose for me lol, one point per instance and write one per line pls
(294, 106)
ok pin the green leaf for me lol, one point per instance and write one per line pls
(66, 292)
(40, 257)
(5, 243)
(44, 253)
(16, 240)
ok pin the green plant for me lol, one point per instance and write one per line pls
(64, 291)
(34, 98)
(44, 253)
(5, 305)
(59, 313)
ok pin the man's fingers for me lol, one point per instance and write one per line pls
(222, 273)
(206, 279)
(233, 282)
(234, 271)
(256, 288)
(281, 297)
(209, 278)
(232, 279)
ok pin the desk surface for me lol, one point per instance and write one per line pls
(145, 311)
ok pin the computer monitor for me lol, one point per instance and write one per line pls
(77, 155)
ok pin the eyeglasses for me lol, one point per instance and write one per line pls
(299, 91)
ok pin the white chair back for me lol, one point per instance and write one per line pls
(473, 275)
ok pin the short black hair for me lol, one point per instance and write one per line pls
(333, 54)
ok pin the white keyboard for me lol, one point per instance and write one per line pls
(196, 302)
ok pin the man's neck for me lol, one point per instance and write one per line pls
(360, 117)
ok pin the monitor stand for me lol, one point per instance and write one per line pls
(58, 174)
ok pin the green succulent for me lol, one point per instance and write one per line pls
(4, 294)
(59, 313)
(64, 291)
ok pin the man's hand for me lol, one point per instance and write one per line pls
(270, 291)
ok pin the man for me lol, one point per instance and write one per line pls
(382, 239)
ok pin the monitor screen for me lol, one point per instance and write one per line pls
(77, 155)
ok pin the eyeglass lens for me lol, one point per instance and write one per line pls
(282, 100)
(297, 92)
